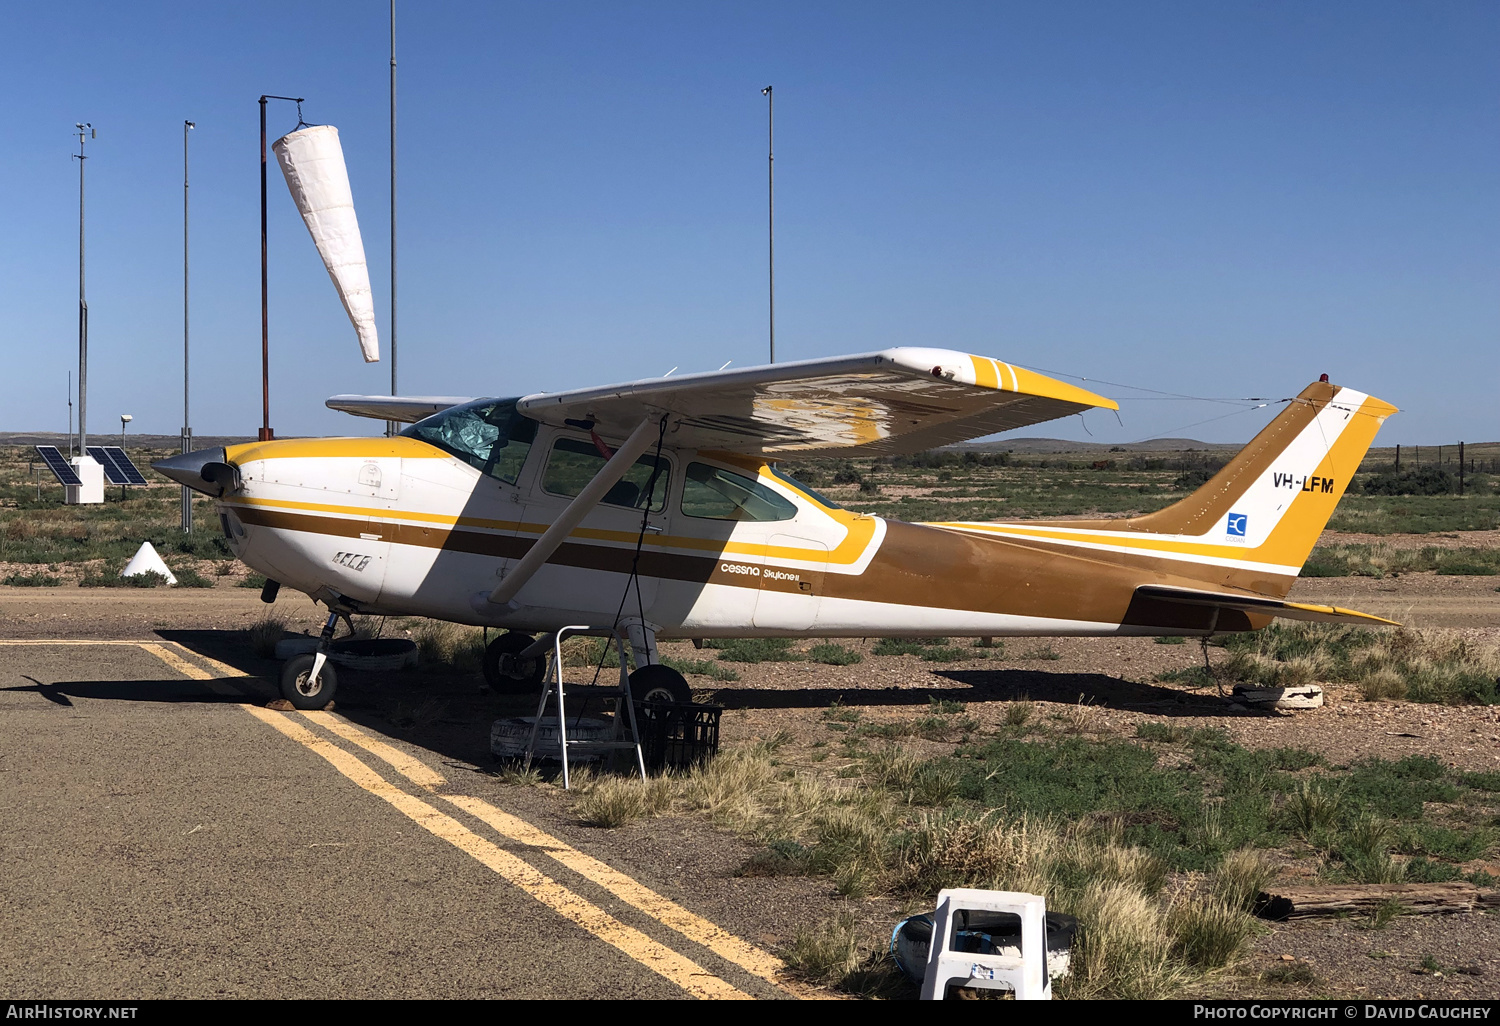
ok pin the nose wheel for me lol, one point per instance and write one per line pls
(308, 681)
(307, 686)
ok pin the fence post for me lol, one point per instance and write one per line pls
(1460, 468)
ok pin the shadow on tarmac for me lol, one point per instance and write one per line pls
(176, 691)
(1094, 689)
(445, 711)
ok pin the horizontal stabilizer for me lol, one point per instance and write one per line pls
(405, 408)
(1259, 604)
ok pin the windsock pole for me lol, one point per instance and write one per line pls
(266, 434)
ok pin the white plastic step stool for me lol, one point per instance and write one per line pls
(1025, 974)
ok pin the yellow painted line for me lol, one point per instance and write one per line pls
(414, 770)
(718, 940)
(190, 671)
(660, 959)
(175, 661)
(694, 927)
(65, 641)
(224, 668)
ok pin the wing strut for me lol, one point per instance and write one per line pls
(542, 549)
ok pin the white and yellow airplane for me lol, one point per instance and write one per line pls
(655, 507)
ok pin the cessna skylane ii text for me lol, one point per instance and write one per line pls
(655, 507)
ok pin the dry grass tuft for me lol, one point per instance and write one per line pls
(1241, 877)
(825, 953)
(1124, 946)
(264, 634)
(449, 644)
(615, 801)
(1208, 932)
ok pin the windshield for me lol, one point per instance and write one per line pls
(814, 495)
(488, 434)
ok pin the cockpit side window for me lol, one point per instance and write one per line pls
(715, 494)
(574, 462)
(489, 435)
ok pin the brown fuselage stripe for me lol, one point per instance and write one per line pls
(915, 567)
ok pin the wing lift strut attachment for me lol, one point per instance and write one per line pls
(641, 438)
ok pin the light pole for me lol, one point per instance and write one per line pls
(85, 132)
(125, 418)
(266, 434)
(771, 200)
(187, 431)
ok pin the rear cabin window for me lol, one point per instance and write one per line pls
(715, 494)
(573, 463)
(488, 435)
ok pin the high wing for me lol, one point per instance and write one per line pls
(900, 400)
(403, 408)
(1260, 604)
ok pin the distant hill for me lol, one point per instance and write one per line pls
(1029, 446)
(133, 441)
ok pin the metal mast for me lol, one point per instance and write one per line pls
(266, 434)
(391, 425)
(771, 198)
(85, 131)
(187, 431)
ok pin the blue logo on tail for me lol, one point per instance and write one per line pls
(1237, 524)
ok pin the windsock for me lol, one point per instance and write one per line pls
(313, 162)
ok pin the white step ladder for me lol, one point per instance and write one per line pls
(624, 704)
(1024, 974)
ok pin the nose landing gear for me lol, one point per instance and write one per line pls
(308, 681)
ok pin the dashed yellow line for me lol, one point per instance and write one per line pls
(657, 957)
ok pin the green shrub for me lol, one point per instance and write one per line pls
(36, 579)
(702, 667)
(754, 650)
(187, 577)
(833, 655)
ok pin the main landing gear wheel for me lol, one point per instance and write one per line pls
(505, 673)
(298, 687)
(657, 683)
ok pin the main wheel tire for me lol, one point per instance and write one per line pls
(297, 688)
(657, 683)
(513, 678)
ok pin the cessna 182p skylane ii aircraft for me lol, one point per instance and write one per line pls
(656, 507)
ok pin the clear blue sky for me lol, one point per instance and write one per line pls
(1217, 199)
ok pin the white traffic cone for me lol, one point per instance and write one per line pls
(146, 560)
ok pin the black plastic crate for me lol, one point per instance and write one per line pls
(677, 735)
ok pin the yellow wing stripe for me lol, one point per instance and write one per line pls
(985, 372)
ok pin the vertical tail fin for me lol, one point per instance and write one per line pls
(1271, 502)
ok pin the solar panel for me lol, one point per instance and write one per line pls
(127, 469)
(118, 470)
(59, 466)
(111, 472)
